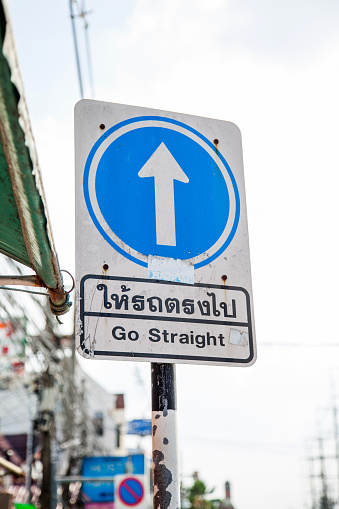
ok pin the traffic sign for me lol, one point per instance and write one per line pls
(163, 270)
(141, 427)
(108, 466)
(130, 492)
(152, 159)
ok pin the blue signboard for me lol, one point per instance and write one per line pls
(140, 427)
(109, 466)
(159, 187)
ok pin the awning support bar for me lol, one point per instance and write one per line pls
(59, 301)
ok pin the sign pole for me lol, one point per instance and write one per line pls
(166, 491)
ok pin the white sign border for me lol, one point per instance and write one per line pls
(94, 210)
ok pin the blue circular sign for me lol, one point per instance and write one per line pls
(131, 491)
(155, 186)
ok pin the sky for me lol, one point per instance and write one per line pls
(272, 68)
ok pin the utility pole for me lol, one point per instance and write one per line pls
(46, 433)
(325, 502)
(312, 487)
(322, 472)
(336, 434)
(30, 446)
(166, 490)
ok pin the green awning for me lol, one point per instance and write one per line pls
(25, 233)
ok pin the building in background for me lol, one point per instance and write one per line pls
(226, 502)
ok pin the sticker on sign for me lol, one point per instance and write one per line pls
(162, 256)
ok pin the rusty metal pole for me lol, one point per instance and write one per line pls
(166, 482)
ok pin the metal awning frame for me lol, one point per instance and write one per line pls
(21, 162)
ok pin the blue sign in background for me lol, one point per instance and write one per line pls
(127, 201)
(140, 427)
(109, 466)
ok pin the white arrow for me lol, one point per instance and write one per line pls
(165, 169)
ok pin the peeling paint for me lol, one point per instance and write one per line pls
(168, 269)
(165, 441)
(157, 416)
(154, 429)
(165, 404)
(162, 479)
(238, 337)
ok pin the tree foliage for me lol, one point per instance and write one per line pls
(195, 496)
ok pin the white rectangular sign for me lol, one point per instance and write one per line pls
(162, 261)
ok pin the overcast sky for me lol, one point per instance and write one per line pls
(273, 69)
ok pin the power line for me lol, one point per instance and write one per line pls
(88, 49)
(82, 14)
(75, 41)
(302, 345)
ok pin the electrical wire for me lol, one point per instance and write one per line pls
(88, 49)
(36, 327)
(302, 345)
(81, 14)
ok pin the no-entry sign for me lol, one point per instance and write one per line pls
(163, 269)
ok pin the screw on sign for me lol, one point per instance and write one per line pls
(131, 491)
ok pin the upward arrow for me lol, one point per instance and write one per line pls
(164, 168)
